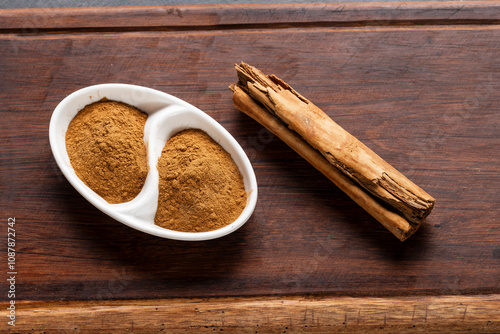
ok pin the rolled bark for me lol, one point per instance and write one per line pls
(353, 167)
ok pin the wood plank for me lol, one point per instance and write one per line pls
(305, 237)
(438, 314)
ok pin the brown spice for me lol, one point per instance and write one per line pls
(105, 144)
(201, 188)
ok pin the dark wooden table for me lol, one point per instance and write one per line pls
(418, 83)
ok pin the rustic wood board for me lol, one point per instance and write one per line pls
(418, 83)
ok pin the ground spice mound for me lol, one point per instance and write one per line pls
(201, 188)
(105, 144)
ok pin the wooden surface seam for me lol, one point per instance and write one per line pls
(35, 21)
(457, 314)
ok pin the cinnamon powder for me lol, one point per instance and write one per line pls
(106, 148)
(201, 188)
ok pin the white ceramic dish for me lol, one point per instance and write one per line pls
(167, 116)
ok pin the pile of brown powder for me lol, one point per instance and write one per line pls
(201, 188)
(105, 144)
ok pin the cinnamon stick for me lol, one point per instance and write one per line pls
(379, 188)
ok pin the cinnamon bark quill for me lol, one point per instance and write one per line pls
(386, 194)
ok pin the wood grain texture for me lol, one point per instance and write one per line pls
(423, 96)
(204, 16)
(449, 314)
